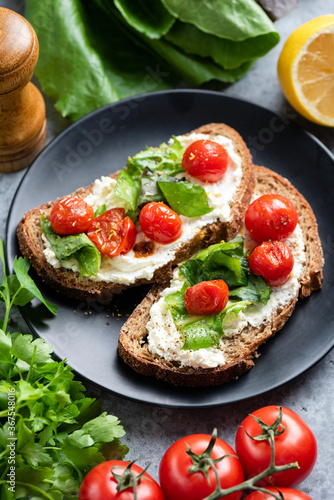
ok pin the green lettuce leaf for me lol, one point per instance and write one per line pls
(100, 210)
(167, 159)
(229, 54)
(208, 331)
(225, 261)
(231, 19)
(86, 60)
(220, 261)
(149, 177)
(146, 16)
(77, 245)
(129, 47)
(193, 68)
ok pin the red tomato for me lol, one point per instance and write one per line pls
(296, 444)
(112, 233)
(271, 217)
(160, 223)
(273, 260)
(99, 484)
(206, 297)
(206, 160)
(178, 483)
(288, 494)
(71, 216)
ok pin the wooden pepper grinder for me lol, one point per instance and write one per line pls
(22, 107)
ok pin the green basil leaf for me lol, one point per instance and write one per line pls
(185, 198)
(77, 245)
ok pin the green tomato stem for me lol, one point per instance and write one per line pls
(249, 484)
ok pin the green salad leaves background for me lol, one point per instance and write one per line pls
(93, 52)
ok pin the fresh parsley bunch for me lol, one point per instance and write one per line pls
(51, 435)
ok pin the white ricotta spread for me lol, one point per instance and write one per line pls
(128, 268)
(166, 341)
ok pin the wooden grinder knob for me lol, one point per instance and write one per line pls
(22, 107)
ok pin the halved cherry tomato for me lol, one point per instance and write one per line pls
(100, 484)
(271, 217)
(160, 223)
(206, 297)
(71, 216)
(273, 260)
(288, 494)
(206, 160)
(296, 444)
(112, 233)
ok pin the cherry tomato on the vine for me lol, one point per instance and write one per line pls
(71, 216)
(177, 483)
(160, 223)
(206, 160)
(273, 260)
(206, 297)
(271, 217)
(112, 233)
(296, 444)
(288, 494)
(99, 484)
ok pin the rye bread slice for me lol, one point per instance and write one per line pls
(242, 348)
(83, 288)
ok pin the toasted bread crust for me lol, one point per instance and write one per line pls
(241, 349)
(69, 283)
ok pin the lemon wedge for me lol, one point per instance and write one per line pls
(306, 70)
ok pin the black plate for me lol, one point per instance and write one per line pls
(99, 144)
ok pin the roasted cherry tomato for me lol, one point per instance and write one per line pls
(271, 217)
(296, 444)
(206, 297)
(160, 223)
(112, 233)
(178, 483)
(71, 216)
(288, 494)
(100, 484)
(206, 160)
(273, 260)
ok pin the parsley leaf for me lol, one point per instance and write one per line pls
(58, 433)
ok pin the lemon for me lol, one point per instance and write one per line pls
(306, 70)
